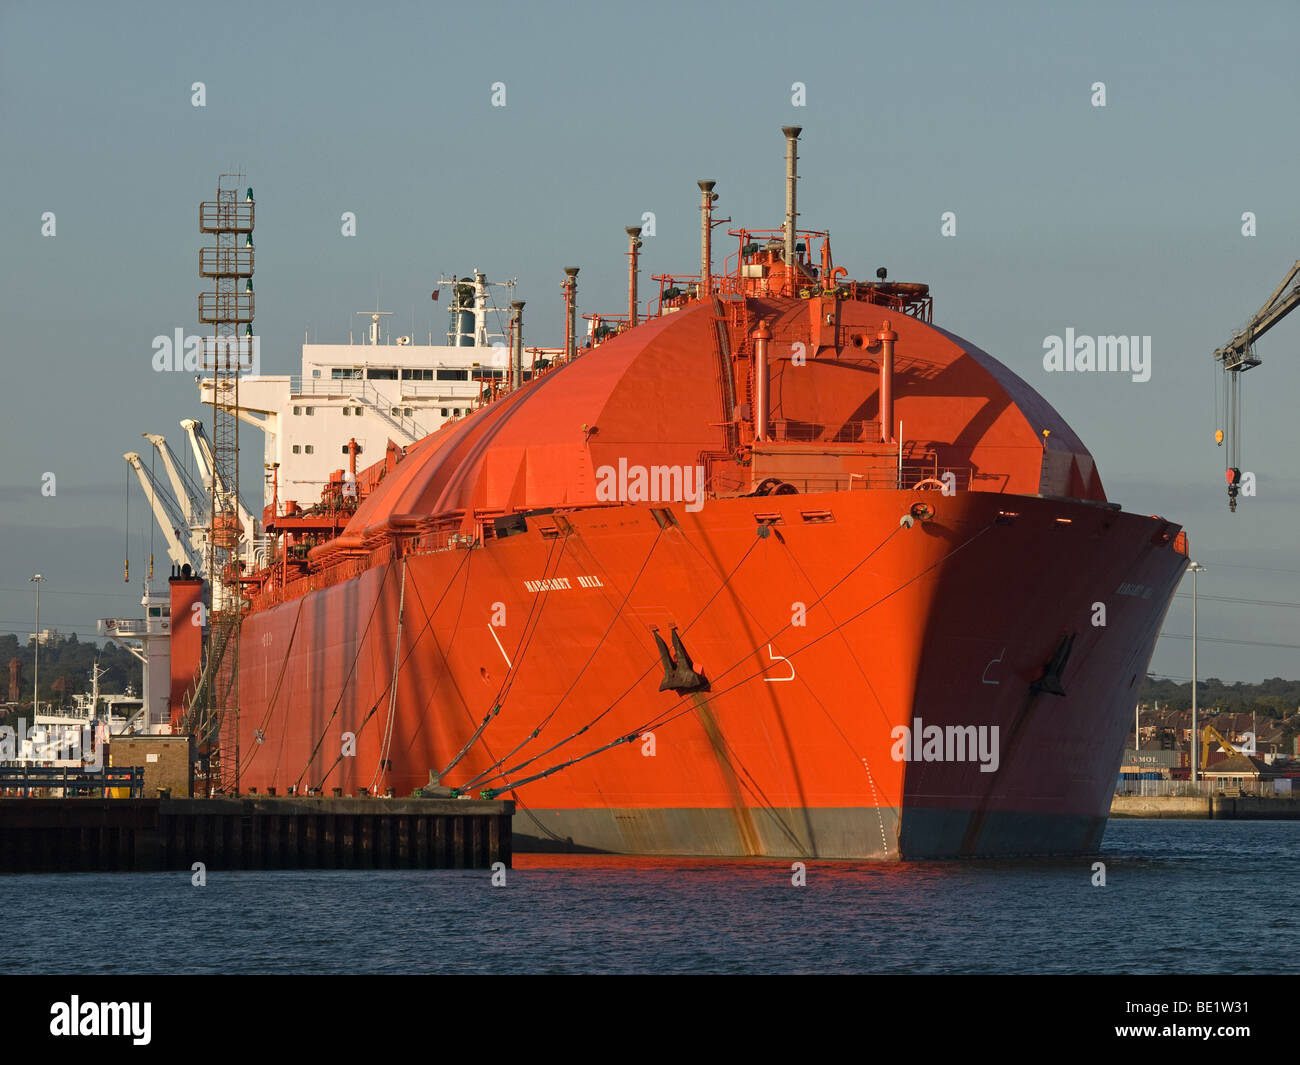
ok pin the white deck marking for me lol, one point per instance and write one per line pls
(992, 662)
(778, 658)
(493, 631)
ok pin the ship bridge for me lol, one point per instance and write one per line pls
(385, 388)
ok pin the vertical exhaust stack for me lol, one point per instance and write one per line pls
(516, 343)
(480, 309)
(707, 196)
(886, 336)
(185, 644)
(791, 180)
(570, 313)
(633, 243)
(761, 336)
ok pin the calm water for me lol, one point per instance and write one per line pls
(584, 914)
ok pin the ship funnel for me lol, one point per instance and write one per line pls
(571, 312)
(707, 196)
(633, 243)
(791, 180)
(516, 343)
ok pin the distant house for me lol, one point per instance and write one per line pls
(1239, 769)
(1271, 740)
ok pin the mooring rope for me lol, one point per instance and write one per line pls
(387, 740)
(659, 721)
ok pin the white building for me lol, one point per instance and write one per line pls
(388, 388)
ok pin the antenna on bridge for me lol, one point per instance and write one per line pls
(374, 323)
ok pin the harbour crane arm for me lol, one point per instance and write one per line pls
(203, 455)
(1237, 356)
(202, 452)
(184, 491)
(165, 512)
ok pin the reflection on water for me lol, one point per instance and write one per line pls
(596, 913)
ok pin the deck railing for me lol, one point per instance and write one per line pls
(71, 780)
(1153, 788)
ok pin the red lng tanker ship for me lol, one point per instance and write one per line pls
(779, 569)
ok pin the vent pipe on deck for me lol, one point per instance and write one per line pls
(480, 309)
(570, 285)
(516, 343)
(886, 336)
(633, 243)
(761, 336)
(707, 196)
(791, 180)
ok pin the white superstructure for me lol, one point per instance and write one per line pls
(74, 737)
(387, 388)
(150, 641)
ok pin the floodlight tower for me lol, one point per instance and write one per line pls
(230, 352)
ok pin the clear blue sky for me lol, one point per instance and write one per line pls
(1124, 219)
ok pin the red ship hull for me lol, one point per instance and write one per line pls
(783, 570)
(821, 626)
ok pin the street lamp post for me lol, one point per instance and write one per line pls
(38, 580)
(1196, 569)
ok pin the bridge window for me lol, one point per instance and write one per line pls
(453, 375)
(382, 374)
